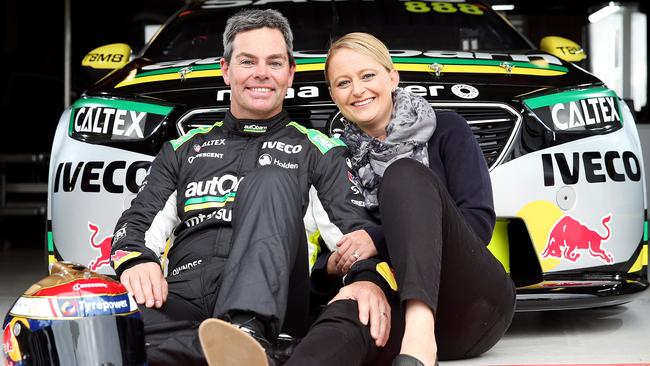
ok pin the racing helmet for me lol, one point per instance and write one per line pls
(74, 317)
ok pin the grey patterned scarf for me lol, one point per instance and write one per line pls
(412, 124)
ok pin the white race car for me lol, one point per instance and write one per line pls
(562, 148)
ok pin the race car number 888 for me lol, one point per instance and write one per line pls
(440, 7)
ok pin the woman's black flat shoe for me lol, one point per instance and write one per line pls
(406, 360)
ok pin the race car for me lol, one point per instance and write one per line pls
(562, 148)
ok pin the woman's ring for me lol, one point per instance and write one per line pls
(356, 256)
(382, 313)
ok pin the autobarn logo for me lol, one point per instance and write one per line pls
(216, 186)
(581, 114)
(100, 176)
(212, 194)
(281, 146)
(590, 166)
(253, 128)
(118, 124)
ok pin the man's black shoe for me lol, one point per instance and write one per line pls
(279, 350)
(225, 344)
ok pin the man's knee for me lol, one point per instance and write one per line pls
(343, 315)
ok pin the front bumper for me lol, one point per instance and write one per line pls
(581, 291)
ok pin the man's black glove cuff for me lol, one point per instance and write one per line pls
(375, 271)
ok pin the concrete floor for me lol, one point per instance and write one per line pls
(615, 335)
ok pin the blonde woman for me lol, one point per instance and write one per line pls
(424, 176)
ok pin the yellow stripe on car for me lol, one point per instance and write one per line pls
(479, 69)
(133, 79)
(167, 77)
(639, 263)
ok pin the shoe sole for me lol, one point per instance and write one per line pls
(226, 345)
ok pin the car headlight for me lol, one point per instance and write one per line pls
(98, 120)
(578, 113)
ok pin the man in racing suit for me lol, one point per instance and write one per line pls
(239, 246)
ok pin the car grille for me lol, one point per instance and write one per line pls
(493, 124)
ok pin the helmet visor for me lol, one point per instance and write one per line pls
(99, 340)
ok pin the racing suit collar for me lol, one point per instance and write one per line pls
(253, 127)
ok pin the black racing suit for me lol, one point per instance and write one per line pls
(200, 176)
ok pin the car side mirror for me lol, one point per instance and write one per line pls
(102, 60)
(563, 48)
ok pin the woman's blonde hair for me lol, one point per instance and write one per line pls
(363, 43)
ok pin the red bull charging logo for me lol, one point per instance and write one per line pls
(103, 245)
(570, 239)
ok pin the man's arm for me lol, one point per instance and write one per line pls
(339, 193)
(138, 242)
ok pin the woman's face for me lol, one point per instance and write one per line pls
(361, 88)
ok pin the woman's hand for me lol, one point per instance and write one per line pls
(351, 248)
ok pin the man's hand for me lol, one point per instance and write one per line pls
(146, 283)
(373, 307)
(352, 247)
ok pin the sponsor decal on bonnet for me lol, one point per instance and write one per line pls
(100, 119)
(592, 166)
(578, 110)
(109, 121)
(464, 91)
(100, 176)
(104, 246)
(570, 239)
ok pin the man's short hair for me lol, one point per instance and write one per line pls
(251, 19)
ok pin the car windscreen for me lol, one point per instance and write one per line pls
(402, 25)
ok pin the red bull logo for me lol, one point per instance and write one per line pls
(569, 238)
(6, 340)
(10, 346)
(103, 245)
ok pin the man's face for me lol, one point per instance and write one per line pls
(258, 73)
